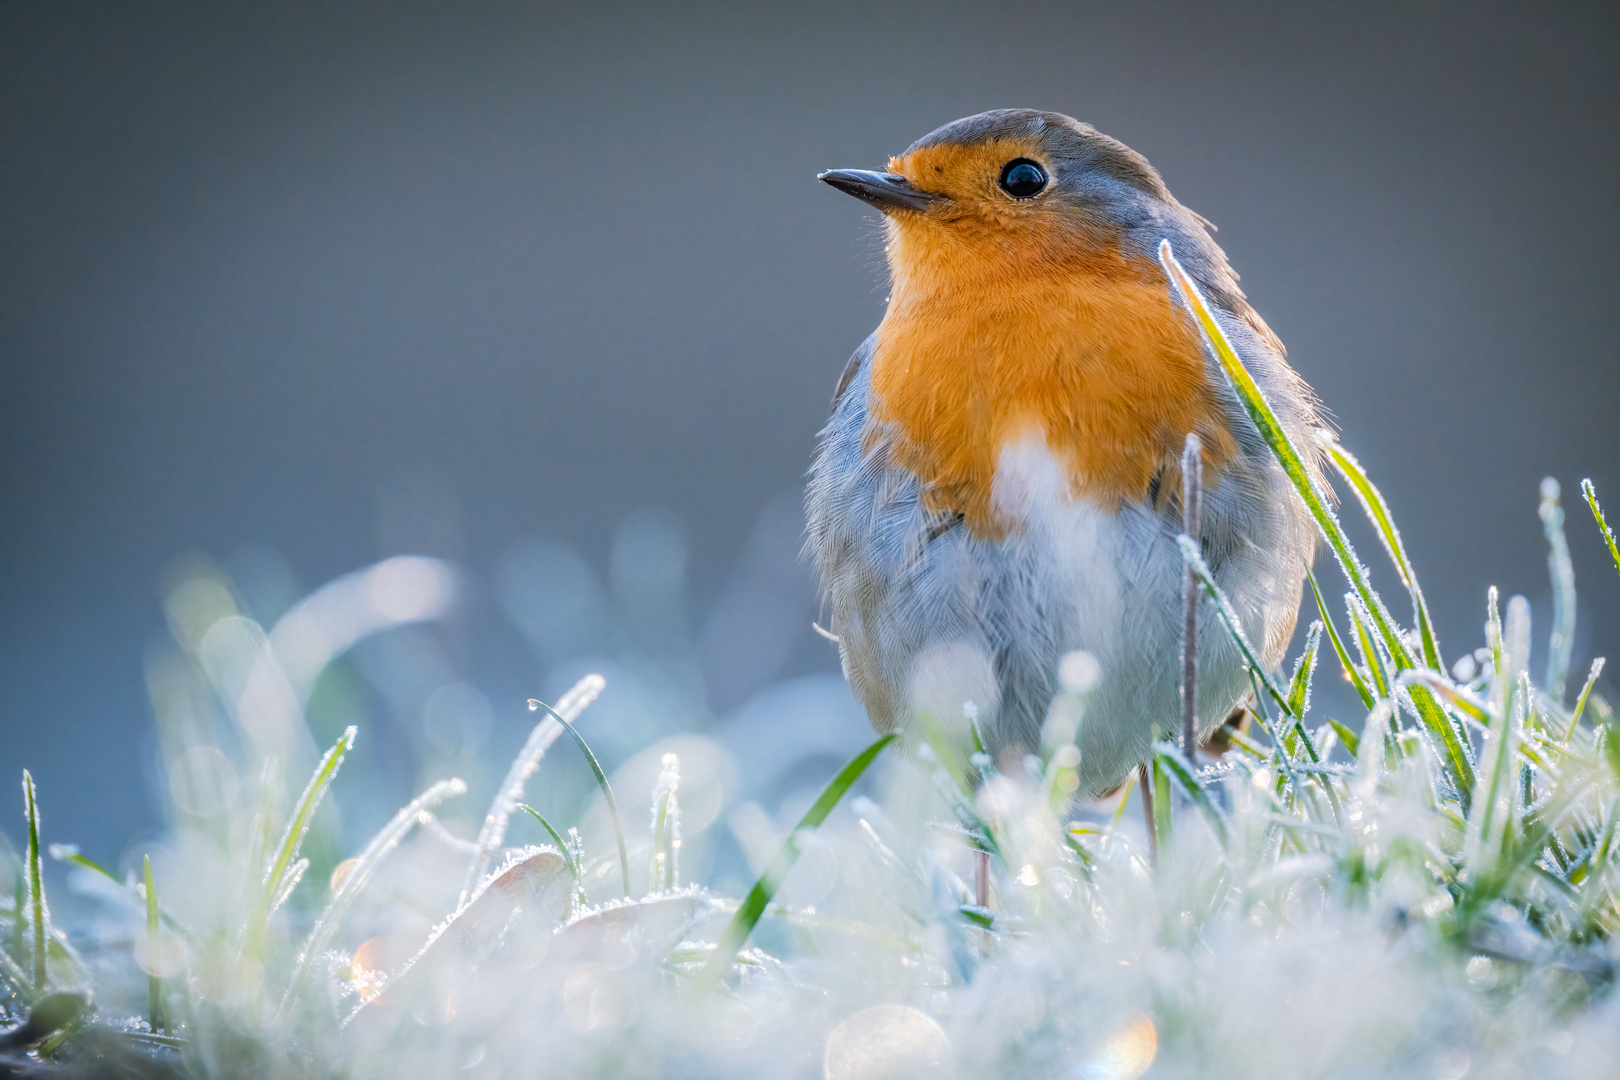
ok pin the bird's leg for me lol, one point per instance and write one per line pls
(981, 878)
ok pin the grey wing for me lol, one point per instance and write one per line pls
(852, 367)
(881, 554)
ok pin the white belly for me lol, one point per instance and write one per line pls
(934, 621)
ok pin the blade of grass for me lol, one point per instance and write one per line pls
(1561, 641)
(753, 906)
(69, 853)
(571, 705)
(1299, 690)
(1261, 678)
(1370, 656)
(1082, 858)
(958, 794)
(601, 782)
(1162, 823)
(1490, 819)
(1459, 697)
(1247, 744)
(154, 982)
(1580, 702)
(1282, 446)
(1264, 684)
(289, 882)
(1316, 502)
(1119, 810)
(1350, 670)
(1352, 741)
(562, 845)
(948, 755)
(1494, 641)
(666, 826)
(1372, 501)
(1194, 559)
(298, 824)
(1172, 763)
(1603, 526)
(36, 884)
(365, 866)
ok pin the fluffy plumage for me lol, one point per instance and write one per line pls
(998, 483)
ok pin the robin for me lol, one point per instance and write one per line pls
(996, 497)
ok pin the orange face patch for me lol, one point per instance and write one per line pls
(1011, 317)
(978, 228)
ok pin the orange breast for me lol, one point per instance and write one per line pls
(978, 350)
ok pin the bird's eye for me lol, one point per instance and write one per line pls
(1022, 178)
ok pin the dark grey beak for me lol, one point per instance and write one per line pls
(886, 191)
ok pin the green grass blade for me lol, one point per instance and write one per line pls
(1494, 641)
(154, 983)
(1279, 747)
(1163, 820)
(36, 884)
(1291, 723)
(572, 705)
(298, 824)
(1490, 819)
(601, 782)
(1460, 698)
(1561, 642)
(1603, 526)
(1194, 560)
(1371, 657)
(69, 853)
(1119, 810)
(289, 882)
(1168, 757)
(354, 884)
(1082, 858)
(958, 793)
(1351, 672)
(759, 897)
(562, 845)
(1352, 741)
(1316, 501)
(1372, 501)
(1299, 689)
(1580, 702)
(1288, 455)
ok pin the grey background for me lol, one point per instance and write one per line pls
(339, 282)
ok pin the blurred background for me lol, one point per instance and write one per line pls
(549, 293)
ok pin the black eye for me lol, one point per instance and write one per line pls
(1022, 178)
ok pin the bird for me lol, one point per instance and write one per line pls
(994, 503)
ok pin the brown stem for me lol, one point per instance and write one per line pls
(1147, 812)
(1192, 495)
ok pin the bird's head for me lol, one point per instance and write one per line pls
(1007, 191)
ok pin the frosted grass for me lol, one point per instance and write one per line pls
(359, 876)
(571, 705)
(1430, 889)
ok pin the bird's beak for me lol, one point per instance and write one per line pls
(886, 191)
